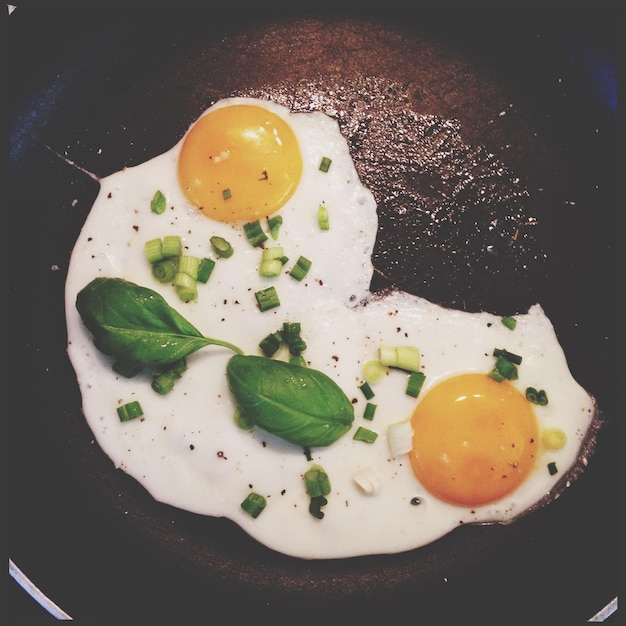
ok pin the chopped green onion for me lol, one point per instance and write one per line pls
(254, 504)
(179, 366)
(271, 261)
(158, 203)
(503, 370)
(163, 379)
(221, 247)
(402, 357)
(129, 411)
(322, 217)
(189, 265)
(552, 468)
(291, 336)
(270, 344)
(316, 481)
(187, 293)
(374, 370)
(184, 281)
(271, 268)
(370, 409)
(153, 250)
(510, 322)
(291, 331)
(267, 298)
(227, 194)
(273, 253)
(400, 437)
(509, 356)
(365, 434)
(536, 396)
(496, 375)
(367, 481)
(298, 360)
(505, 366)
(301, 268)
(255, 233)
(205, 269)
(297, 346)
(414, 383)
(172, 246)
(186, 286)
(274, 224)
(315, 506)
(388, 355)
(325, 164)
(163, 383)
(366, 390)
(165, 269)
(553, 438)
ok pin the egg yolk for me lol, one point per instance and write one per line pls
(240, 162)
(474, 439)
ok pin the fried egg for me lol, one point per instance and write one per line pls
(474, 449)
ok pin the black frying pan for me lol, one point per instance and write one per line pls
(93, 90)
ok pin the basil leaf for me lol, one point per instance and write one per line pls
(136, 326)
(298, 404)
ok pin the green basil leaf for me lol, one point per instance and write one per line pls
(136, 326)
(298, 404)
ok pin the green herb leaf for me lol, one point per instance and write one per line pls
(298, 404)
(136, 326)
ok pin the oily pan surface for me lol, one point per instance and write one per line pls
(472, 216)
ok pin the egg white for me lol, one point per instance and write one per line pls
(188, 451)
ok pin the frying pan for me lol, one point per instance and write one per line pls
(95, 89)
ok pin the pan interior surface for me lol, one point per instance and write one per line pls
(115, 92)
